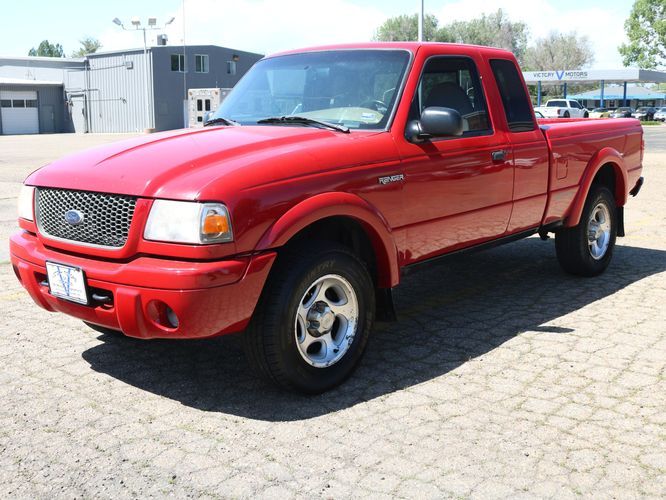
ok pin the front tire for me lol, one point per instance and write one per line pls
(587, 249)
(314, 318)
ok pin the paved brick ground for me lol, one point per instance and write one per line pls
(504, 378)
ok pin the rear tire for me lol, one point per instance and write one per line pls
(587, 249)
(313, 321)
(566, 114)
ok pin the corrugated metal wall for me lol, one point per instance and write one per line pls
(116, 96)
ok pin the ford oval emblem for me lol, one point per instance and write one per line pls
(74, 217)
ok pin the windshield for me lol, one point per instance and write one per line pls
(559, 104)
(354, 88)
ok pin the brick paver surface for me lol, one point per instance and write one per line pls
(504, 377)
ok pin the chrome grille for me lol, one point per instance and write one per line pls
(106, 217)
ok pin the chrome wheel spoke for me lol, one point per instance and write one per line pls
(599, 231)
(311, 296)
(346, 310)
(308, 340)
(332, 349)
(326, 321)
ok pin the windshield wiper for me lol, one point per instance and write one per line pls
(303, 120)
(221, 121)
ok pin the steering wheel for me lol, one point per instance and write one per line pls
(375, 104)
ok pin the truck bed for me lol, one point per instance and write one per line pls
(575, 144)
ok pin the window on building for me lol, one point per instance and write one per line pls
(201, 63)
(19, 103)
(199, 105)
(178, 62)
(6, 103)
(207, 104)
(31, 103)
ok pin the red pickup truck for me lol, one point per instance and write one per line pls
(325, 175)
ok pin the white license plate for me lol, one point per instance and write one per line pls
(67, 282)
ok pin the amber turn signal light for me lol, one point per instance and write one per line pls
(215, 223)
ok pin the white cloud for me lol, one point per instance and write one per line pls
(268, 26)
(263, 26)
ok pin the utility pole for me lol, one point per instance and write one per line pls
(421, 22)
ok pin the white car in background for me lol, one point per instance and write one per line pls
(660, 115)
(563, 108)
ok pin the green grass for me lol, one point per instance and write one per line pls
(651, 123)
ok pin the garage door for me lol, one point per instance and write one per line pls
(18, 110)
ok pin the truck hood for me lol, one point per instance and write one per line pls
(180, 164)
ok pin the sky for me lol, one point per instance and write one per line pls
(267, 26)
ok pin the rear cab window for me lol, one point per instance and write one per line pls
(517, 107)
(453, 82)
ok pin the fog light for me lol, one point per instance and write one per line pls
(172, 318)
(162, 315)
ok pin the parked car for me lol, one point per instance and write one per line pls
(600, 113)
(623, 112)
(295, 228)
(563, 108)
(660, 114)
(644, 113)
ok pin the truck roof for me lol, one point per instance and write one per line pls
(413, 47)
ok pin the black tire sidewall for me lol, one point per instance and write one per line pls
(297, 372)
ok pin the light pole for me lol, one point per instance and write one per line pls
(152, 25)
(420, 35)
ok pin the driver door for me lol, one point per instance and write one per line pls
(458, 189)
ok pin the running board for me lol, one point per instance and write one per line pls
(417, 266)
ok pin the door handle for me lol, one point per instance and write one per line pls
(498, 155)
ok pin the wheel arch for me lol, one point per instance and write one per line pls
(606, 167)
(346, 210)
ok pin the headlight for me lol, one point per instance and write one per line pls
(26, 203)
(188, 222)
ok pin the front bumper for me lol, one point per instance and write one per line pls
(209, 298)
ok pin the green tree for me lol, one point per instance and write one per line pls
(491, 30)
(405, 28)
(558, 51)
(89, 45)
(646, 29)
(47, 49)
(494, 30)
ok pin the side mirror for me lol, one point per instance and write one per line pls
(435, 122)
(207, 116)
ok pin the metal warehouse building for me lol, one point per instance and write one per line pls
(122, 91)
